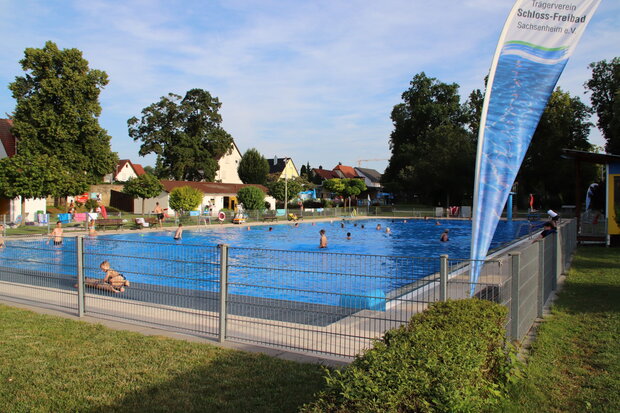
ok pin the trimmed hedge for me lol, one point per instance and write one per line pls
(452, 357)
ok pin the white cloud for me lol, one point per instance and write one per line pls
(313, 80)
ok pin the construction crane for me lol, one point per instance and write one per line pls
(359, 161)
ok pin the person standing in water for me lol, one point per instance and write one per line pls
(57, 234)
(179, 233)
(323, 241)
(444, 236)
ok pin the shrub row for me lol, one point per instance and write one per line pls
(453, 357)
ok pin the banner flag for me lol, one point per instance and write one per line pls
(538, 38)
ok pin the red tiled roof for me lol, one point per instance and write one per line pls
(138, 169)
(347, 171)
(121, 165)
(325, 174)
(6, 137)
(210, 187)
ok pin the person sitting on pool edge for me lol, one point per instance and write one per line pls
(323, 242)
(444, 236)
(548, 229)
(112, 277)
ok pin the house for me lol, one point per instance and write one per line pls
(124, 171)
(229, 162)
(12, 207)
(346, 172)
(282, 168)
(217, 196)
(372, 179)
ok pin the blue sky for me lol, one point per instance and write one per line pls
(313, 80)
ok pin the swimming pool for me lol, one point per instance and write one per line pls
(282, 264)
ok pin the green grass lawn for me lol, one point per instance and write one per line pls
(51, 364)
(575, 361)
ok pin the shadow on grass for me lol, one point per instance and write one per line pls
(589, 298)
(231, 382)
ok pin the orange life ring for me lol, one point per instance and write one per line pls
(221, 216)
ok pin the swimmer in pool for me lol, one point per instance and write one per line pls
(323, 241)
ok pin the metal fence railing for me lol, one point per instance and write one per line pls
(315, 302)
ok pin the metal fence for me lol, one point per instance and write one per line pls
(322, 303)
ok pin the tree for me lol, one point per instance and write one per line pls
(433, 142)
(145, 186)
(149, 169)
(185, 198)
(334, 185)
(353, 187)
(563, 124)
(253, 167)
(277, 189)
(185, 134)
(605, 98)
(37, 176)
(345, 187)
(251, 197)
(57, 111)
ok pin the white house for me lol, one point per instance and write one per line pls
(11, 208)
(217, 196)
(124, 171)
(229, 162)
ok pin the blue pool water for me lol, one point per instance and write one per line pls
(279, 264)
(416, 238)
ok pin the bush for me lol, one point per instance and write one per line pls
(185, 198)
(252, 197)
(451, 358)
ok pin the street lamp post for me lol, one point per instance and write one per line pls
(285, 193)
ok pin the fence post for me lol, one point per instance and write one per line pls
(223, 289)
(541, 278)
(557, 258)
(79, 250)
(443, 277)
(515, 259)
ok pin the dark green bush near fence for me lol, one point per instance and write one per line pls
(451, 358)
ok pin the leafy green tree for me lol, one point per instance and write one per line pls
(563, 124)
(345, 187)
(334, 185)
(605, 97)
(185, 198)
(185, 134)
(253, 167)
(251, 197)
(144, 186)
(277, 189)
(149, 169)
(432, 144)
(353, 187)
(57, 111)
(37, 176)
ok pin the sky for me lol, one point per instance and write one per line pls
(312, 80)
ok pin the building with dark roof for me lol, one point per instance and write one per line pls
(282, 168)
